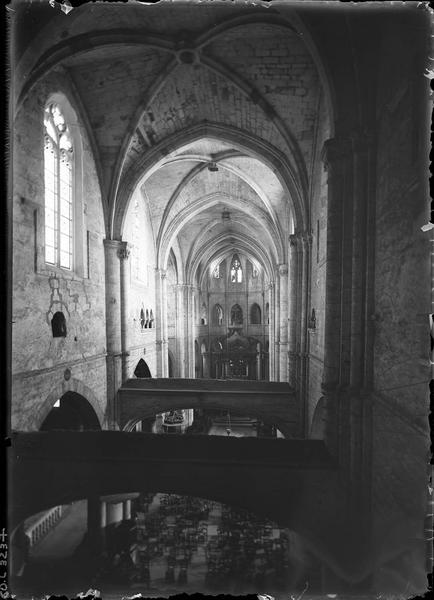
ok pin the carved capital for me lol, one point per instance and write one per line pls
(124, 251)
(293, 240)
(283, 269)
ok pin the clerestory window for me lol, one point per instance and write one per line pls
(58, 176)
(236, 270)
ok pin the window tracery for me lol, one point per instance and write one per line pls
(217, 315)
(58, 168)
(236, 270)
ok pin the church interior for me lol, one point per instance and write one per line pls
(220, 297)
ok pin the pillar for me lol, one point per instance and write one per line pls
(347, 417)
(276, 326)
(362, 275)
(304, 262)
(271, 329)
(124, 254)
(258, 362)
(294, 241)
(180, 331)
(126, 510)
(283, 325)
(113, 327)
(103, 522)
(161, 323)
(336, 156)
(189, 334)
(205, 365)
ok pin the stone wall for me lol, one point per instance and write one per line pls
(402, 304)
(39, 290)
(318, 225)
(141, 278)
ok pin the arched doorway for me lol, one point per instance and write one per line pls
(142, 370)
(71, 412)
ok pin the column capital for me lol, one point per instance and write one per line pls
(124, 251)
(112, 244)
(335, 149)
(283, 269)
(270, 285)
(299, 238)
(294, 238)
(161, 272)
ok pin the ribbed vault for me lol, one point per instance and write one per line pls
(208, 198)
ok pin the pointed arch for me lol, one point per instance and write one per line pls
(255, 314)
(236, 315)
(217, 315)
(71, 385)
(142, 370)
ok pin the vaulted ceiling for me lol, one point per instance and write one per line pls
(166, 90)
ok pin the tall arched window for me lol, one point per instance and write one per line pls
(236, 315)
(236, 270)
(255, 314)
(203, 314)
(58, 172)
(217, 315)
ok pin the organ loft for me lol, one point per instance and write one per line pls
(220, 290)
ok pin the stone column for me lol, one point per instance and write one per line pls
(126, 510)
(283, 325)
(189, 304)
(258, 362)
(272, 316)
(103, 514)
(294, 241)
(276, 326)
(337, 161)
(180, 331)
(205, 365)
(113, 327)
(124, 254)
(161, 322)
(361, 247)
(305, 249)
